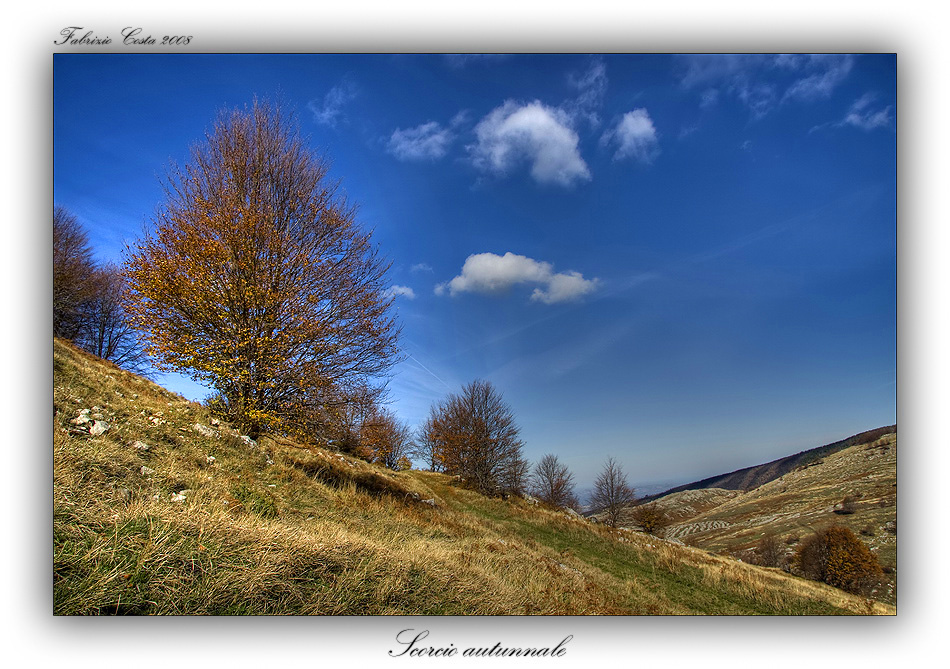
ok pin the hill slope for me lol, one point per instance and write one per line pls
(802, 501)
(752, 477)
(158, 510)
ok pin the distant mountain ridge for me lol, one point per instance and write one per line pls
(753, 477)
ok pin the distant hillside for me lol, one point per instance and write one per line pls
(752, 477)
(160, 508)
(803, 501)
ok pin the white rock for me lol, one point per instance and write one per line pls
(98, 427)
(146, 470)
(140, 445)
(204, 430)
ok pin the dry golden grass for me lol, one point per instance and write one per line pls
(276, 528)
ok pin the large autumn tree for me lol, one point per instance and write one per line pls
(256, 279)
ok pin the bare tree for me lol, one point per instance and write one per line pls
(257, 279)
(553, 483)
(611, 492)
(474, 435)
(74, 274)
(769, 552)
(427, 443)
(106, 331)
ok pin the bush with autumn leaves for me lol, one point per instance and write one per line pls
(839, 558)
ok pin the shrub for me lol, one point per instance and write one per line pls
(769, 552)
(651, 518)
(846, 506)
(837, 557)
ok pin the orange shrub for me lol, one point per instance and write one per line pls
(837, 557)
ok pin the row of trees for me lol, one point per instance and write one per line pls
(87, 298)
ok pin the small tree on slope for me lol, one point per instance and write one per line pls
(611, 492)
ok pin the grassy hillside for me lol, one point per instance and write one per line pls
(159, 510)
(799, 503)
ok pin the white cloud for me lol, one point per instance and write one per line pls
(636, 137)
(330, 110)
(489, 273)
(513, 134)
(429, 141)
(564, 287)
(860, 116)
(421, 267)
(402, 291)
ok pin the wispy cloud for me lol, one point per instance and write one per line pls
(763, 81)
(862, 115)
(488, 273)
(429, 141)
(635, 137)
(591, 86)
(709, 98)
(533, 133)
(826, 72)
(421, 267)
(401, 291)
(329, 111)
(428, 371)
(460, 60)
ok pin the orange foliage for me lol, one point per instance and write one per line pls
(256, 279)
(473, 435)
(837, 557)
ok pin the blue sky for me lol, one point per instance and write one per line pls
(685, 262)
